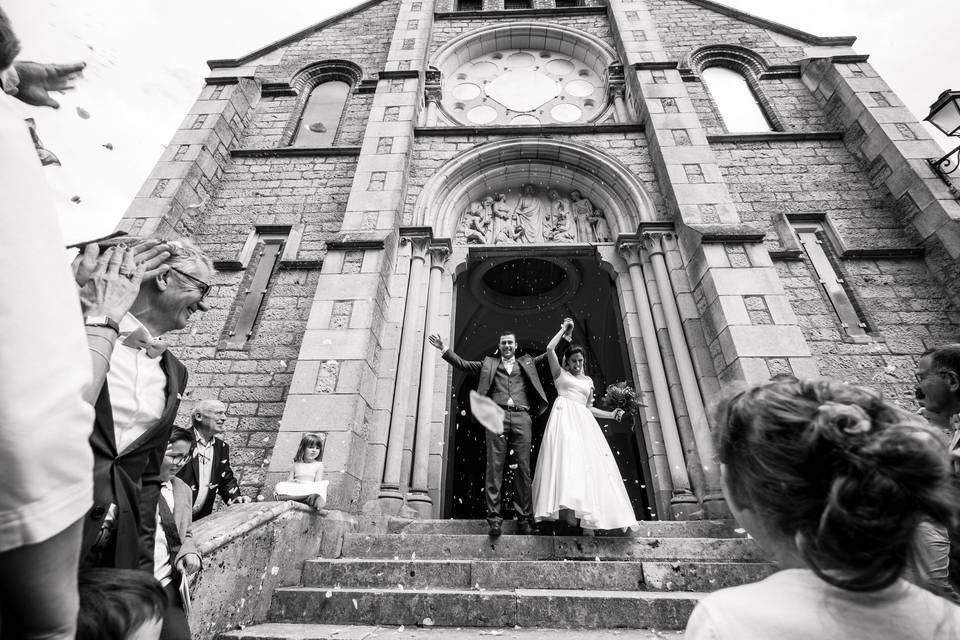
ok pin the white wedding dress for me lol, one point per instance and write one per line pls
(576, 469)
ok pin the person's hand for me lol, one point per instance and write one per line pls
(37, 80)
(189, 564)
(240, 500)
(567, 325)
(114, 284)
(618, 414)
(437, 342)
(152, 253)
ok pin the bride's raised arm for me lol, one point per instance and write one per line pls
(552, 353)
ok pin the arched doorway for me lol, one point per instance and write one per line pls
(529, 290)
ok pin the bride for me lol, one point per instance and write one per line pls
(576, 472)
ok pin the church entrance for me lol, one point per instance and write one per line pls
(529, 290)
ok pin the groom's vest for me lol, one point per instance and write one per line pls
(506, 386)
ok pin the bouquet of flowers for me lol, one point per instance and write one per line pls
(621, 396)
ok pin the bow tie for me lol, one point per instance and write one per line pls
(140, 339)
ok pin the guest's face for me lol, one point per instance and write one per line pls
(183, 294)
(174, 458)
(213, 416)
(508, 345)
(937, 387)
(311, 452)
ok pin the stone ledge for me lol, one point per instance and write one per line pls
(775, 136)
(523, 130)
(399, 74)
(550, 12)
(279, 152)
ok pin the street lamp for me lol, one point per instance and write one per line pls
(945, 116)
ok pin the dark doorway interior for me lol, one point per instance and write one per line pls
(530, 294)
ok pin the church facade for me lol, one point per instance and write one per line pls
(713, 197)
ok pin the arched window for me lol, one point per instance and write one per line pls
(739, 107)
(321, 115)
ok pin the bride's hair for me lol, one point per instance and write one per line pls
(843, 473)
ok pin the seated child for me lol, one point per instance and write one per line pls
(119, 604)
(305, 483)
(832, 481)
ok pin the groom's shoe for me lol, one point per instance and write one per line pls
(526, 528)
(496, 528)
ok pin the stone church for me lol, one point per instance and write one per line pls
(713, 197)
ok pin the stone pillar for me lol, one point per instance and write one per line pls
(683, 503)
(419, 498)
(619, 106)
(432, 99)
(714, 504)
(391, 494)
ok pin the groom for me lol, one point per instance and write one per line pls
(511, 382)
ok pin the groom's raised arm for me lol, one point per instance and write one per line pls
(472, 366)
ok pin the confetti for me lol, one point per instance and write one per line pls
(83, 113)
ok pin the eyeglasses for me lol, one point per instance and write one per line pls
(202, 286)
(179, 459)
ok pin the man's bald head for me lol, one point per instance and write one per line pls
(209, 416)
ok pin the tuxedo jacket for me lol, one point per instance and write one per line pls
(130, 479)
(221, 478)
(183, 516)
(487, 368)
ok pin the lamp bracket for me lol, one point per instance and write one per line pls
(945, 166)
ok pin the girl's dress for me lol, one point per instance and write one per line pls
(304, 483)
(576, 469)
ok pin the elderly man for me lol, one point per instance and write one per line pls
(209, 472)
(135, 412)
(938, 391)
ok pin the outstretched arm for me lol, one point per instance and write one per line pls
(471, 366)
(616, 414)
(552, 349)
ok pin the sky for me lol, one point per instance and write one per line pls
(147, 60)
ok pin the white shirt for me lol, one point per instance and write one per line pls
(204, 455)
(508, 364)
(137, 387)
(45, 457)
(162, 569)
(794, 604)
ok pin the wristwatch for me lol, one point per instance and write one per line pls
(102, 321)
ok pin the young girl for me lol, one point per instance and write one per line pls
(304, 483)
(832, 481)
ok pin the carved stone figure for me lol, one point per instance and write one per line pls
(601, 230)
(475, 227)
(582, 210)
(530, 214)
(557, 228)
(502, 215)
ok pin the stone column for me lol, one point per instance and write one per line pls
(433, 97)
(619, 106)
(683, 503)
(713, 501)
(419, 498)
(391, 495)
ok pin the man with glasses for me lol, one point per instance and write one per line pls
(136, 409)
(938, 392)
(208, 472)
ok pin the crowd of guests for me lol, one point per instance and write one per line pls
(847, 491)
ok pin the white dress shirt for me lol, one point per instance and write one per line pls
(162, 569)
(45, 456)
(204, 455)
(508, 366)
(137, 387)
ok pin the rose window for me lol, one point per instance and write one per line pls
(523, 87)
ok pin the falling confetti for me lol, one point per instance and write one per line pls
(108, 146)
(83, 113)
(75, 199)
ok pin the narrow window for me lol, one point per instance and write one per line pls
(469, 5)
(831, 281)
(566, 4)
(269, 252)
(739, 108)
(321, 115)
(516, 4)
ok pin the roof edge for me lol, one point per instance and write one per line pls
(227, 63)
(809, 38)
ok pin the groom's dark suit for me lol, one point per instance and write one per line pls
(521, 385)
(130, 479)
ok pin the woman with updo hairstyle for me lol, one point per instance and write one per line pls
(832, 482)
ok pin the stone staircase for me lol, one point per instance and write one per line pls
(448, 579)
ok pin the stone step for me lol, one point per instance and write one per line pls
(485, 608)
(508, 547)
(648, 528)
(543, 574)
(285, 631)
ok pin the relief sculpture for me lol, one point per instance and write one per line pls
(533, 216)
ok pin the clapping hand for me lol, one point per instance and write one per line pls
(112, 287)
(437, 342)
(151, 253)
(37, 80)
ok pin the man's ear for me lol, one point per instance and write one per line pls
(953, 381)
